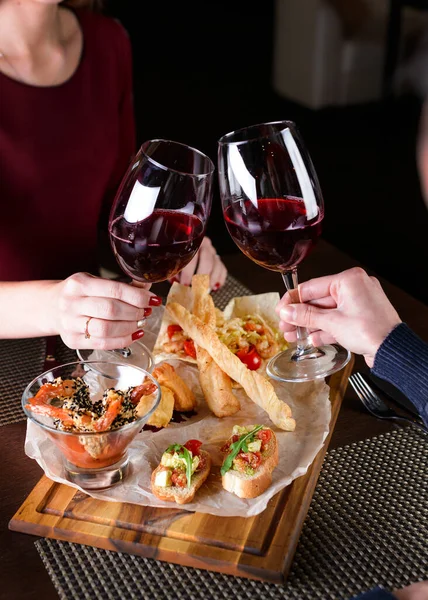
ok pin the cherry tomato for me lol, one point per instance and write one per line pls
(252, 458)
(264, 435)
(173, 329)
(193, 446)
(250, 358)
(189, 348)
(179, 479)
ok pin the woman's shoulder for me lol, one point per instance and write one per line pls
(99, 28)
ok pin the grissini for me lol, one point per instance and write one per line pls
(215, 383)
(249, 474)
(257, 387)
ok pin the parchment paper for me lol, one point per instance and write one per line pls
(310, 407)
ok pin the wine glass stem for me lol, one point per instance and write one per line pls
(305, 348)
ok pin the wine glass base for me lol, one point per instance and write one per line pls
(322, 361)
(137, 355)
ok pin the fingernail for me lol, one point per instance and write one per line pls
(216, 286)
(137, 335)
(147, 312)
(288, 313)
(155, 301)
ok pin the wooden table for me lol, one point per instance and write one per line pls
(22, 573)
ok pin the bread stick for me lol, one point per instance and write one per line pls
(257, 387)
(215, 383)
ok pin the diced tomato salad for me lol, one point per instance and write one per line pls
(249, 459)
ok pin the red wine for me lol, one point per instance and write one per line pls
(276, 234)
(158, 247)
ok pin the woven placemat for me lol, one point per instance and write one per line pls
(22, 360)
(367, 525)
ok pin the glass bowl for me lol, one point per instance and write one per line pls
(137, 354)
(93, 460)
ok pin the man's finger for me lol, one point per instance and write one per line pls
(305, 315)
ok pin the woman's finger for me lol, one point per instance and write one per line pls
(101, 328)
(207, 258)
(111, 310)
(82, 284)
(185, 276)
(218, 274)
(80, 341)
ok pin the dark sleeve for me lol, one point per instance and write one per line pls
(375, 594)
(402, 360)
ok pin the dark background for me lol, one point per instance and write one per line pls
(202, 69)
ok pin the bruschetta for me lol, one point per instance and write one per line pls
(251, 454)
(181, 472)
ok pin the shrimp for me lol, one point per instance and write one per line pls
(60, 389)
(267, 347)
(48, 391)
(176, 342)
(174, 347)
(145, 389)
(113, 401)
(65, 416)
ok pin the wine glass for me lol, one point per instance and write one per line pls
(158, 219)
(273, 209)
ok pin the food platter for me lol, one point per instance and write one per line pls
(309, 404)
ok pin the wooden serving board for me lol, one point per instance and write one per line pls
(260, 547)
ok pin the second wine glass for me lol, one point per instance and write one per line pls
(159, 216)
(273, 209)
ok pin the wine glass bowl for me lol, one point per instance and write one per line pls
(158, 221)
(272, 205)
(159, 217)
(273, 208)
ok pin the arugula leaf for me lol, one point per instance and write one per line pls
(235, 448)
(183, 453)
(173, 448)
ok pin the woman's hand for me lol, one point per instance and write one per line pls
(206, 261)
(349, 308)
(91, 312)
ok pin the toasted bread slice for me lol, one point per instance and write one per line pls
(250, 486)
(182, 495)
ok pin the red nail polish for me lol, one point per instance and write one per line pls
(155, 301)
(147, 312)
(217, 285)
(137, 335)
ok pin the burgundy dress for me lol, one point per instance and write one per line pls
(63, 152)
